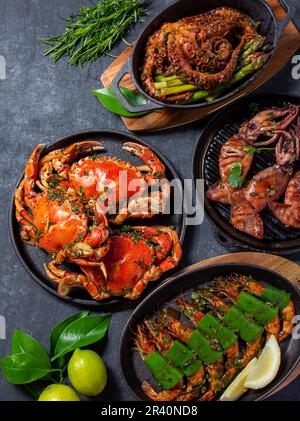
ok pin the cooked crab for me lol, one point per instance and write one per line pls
(57, 222)
(118, 188)
(137, 255)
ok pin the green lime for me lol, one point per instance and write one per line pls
(87, 372)
(58, 392)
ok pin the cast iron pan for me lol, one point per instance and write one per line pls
(134, 371)
(33, 258)
(278, 239)
(258, 10)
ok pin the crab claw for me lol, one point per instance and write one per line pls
(156, 167)
(266, 123)
(60, 159)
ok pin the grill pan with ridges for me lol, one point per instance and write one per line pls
(277, 238)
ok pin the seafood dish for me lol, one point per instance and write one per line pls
(195, 346)
(63, 205)
(275, 129)
(199, 57)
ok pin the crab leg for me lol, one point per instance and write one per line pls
(169, 245)
(25, 195)
(60, 159)
(156, 166)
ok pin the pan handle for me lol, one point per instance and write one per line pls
(290, 10)
(115, 85)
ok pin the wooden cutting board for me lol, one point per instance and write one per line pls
(168, 118)
(284, 267)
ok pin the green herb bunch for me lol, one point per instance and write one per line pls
(94, 31)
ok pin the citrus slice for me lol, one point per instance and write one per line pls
(267, 366)
(237, 388)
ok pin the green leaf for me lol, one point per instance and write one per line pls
(80, 333)
(36, 388)
(62, 362)
(58, 329)
(235, 178)
(24, 368)
(110, 101)
(23, 343)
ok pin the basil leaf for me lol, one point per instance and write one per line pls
(80, 333)
(23, 343)
(24, 368)
(60, 327)
(111, 102)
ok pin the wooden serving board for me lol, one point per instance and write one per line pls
(167, 118)
(284, 267)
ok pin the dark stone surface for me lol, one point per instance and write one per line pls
(41, 102)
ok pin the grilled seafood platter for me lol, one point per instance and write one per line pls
(73, 202)
(195, 346)
(276, 187)
(198, 58)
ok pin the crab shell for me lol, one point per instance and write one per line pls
(134, 259)
(120, 189)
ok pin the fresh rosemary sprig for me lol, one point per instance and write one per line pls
(94, 31)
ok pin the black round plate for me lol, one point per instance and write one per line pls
(277, 238)
(33, 258)
(133, 369)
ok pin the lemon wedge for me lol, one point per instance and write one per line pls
(236, 389)
(267, 366)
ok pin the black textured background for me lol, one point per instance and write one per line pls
(42, 102)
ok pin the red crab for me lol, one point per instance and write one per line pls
(56, 221)
(119, 188)
(137, 255)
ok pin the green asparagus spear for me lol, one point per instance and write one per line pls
(167, 84)
(173, 90)
(258, 59)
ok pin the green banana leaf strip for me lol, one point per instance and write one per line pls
(169, 377)
(202, 346)
(247, 329)
(261, 311)
(155, 362)
(183, 358)
(166, 375)
(276, 296)
(111, 102)
(214, 329)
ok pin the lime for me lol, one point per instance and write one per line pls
(87, 372)
(58, 392)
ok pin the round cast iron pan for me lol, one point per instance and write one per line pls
(278, 239)
(258, 10)
(33, 258)
(132, 367)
